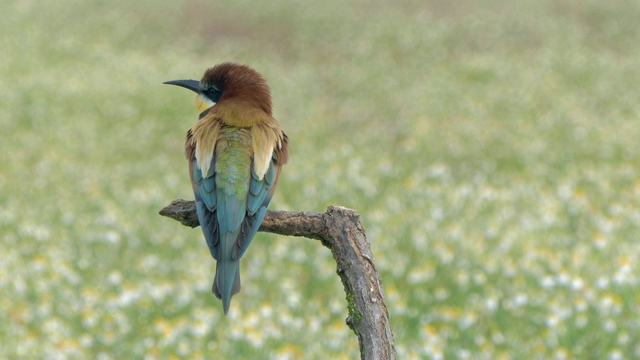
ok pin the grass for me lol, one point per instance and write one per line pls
(491, 148)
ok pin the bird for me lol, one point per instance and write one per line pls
(236, 151)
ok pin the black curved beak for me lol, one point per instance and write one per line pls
(193, 85)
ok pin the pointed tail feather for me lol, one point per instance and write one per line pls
(227, 279)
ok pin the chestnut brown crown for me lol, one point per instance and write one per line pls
(229, 82)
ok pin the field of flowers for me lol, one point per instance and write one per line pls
(491, 148)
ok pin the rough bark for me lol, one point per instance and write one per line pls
(340, 230)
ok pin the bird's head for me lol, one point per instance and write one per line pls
(229, 82)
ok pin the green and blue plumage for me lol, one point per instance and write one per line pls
(231, 202)
(236, 152)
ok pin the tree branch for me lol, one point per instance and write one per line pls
(340, 230)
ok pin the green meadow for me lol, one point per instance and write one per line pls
(492, 148)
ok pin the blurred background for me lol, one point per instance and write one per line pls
(491, 148)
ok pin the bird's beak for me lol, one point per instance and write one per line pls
(193, 85)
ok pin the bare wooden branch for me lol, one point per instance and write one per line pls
(340, 230)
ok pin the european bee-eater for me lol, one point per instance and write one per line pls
(236, 151)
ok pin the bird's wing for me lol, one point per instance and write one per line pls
(204, 189)
(260, 194)
(258, 199)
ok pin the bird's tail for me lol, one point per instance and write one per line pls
(227, 279)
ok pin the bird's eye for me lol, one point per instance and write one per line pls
(212, 93)
(215, 95)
